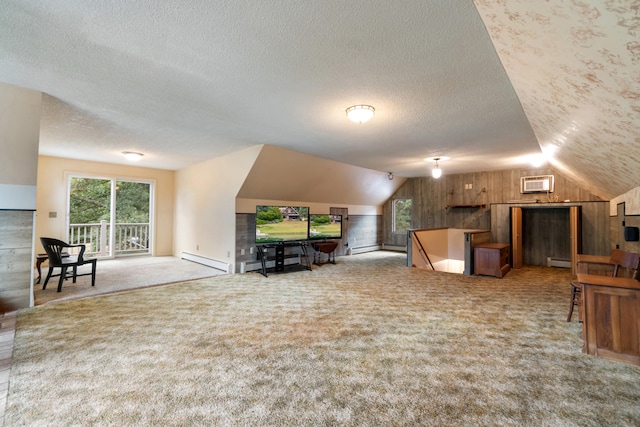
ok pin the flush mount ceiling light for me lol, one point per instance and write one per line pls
(132, 156)
(360, 113)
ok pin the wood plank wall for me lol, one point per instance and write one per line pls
(432, 200)
(617, 230)
(16, 231)
(364, 231)
(546, 229)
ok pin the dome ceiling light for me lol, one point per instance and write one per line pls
(132, 155)
(360, 113)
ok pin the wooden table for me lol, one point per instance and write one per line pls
(611, 315)
(328, 248)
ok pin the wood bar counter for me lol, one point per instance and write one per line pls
(611, 310)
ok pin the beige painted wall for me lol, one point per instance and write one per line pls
(19, 140)
(205, 206)
(281, 174)
(52, 196)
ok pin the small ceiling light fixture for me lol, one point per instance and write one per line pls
(360, 113)
(436, 172)
(132, 156)
(390, 176)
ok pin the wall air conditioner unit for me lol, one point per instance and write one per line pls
(536, 184)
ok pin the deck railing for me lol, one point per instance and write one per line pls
(130, 238)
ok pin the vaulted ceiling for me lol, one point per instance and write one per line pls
(487, 83)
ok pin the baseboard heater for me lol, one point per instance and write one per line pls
(363, 249)
(209, 262)
(558, 262)
(394, 248)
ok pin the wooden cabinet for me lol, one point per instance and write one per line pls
(611, 317)
(491, 259)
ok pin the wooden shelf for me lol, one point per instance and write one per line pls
(467, 206)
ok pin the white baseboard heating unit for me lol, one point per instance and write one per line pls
(558, 262)
(209, 262)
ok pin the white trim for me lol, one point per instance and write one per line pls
(18, 197)
(364, 249)
(209, 262)
(394, 248)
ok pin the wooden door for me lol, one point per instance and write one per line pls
(516, 237)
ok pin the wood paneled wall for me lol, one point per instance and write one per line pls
(16, 234)
(617, 224)
(433, 200)
(364, 231)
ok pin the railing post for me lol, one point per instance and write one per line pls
(103, 237)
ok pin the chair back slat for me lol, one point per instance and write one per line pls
(57, 250)
(628, 261)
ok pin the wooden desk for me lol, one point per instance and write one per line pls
(611, 314)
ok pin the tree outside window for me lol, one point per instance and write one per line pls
(401, 215)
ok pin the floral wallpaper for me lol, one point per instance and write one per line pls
(575, 66)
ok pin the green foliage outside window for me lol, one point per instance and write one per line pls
(90, 201)
(267, 215)
(401, 215)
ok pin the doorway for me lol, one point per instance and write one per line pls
(111, 217)
(538, 233)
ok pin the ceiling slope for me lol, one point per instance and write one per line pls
(281, 174)
(575, 66)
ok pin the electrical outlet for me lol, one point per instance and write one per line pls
(251, 250)
(197, 247)
(242, 251)
(228, 254)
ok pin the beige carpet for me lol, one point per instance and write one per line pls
(120, 274)
(365, 342)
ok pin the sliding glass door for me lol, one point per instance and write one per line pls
(111, 217)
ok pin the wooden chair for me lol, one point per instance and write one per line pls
(58, 256)
(618, 264)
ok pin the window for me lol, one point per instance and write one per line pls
(111, 217)
(401, 215)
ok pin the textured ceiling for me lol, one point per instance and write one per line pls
(575, 66)
(187, 81)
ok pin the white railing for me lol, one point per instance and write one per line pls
(130, 238)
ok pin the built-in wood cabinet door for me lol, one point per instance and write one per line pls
(516, 237)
